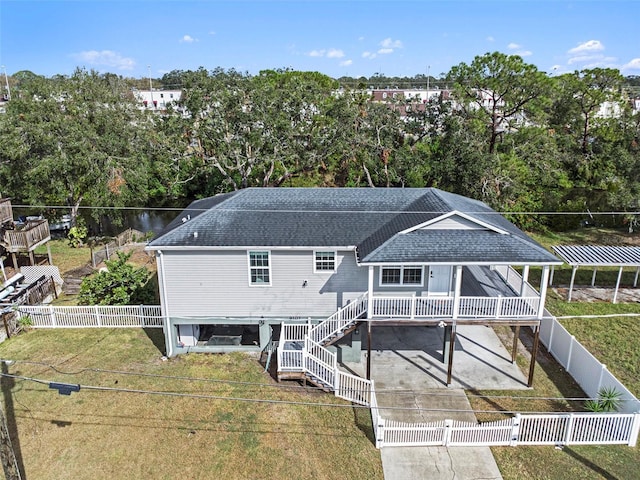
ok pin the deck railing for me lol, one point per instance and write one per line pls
(443, 307)
(6, 212)
(25, 239)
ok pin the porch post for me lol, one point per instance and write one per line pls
(635, 279)
(369, 315)
(452, 343)
(615, 293)
(49, 254)
(593, 277)
(369, 350)
(456, 292)
(553, 270)
(544, 283)
(525, 279)
(370, 292)
(534, 354)
(573, 277)
(514, 350)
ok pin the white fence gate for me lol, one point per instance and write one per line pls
(522, 429)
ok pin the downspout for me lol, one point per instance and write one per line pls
(163, 306)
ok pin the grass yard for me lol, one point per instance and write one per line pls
(614, 341)
(102, 434)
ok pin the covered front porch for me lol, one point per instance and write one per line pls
(483, 295)
(471, 292)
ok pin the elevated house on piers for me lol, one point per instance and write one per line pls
(308, 270)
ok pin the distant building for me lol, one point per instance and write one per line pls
(157, 99)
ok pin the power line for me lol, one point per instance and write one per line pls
(302, 210)
(78, 387)
(283, 387)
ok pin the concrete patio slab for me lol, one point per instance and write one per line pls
(410, 379)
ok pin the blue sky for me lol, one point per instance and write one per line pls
(354, 38)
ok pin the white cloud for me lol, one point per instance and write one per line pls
(592, 61)
(385, 51)
(632, 65)
(490, 39)
(518, 50)
(331, 53)
(346, 63)
(335, 53)
(590, 46)
(388, 43)
(212, 32)
(107, 58)
(188, 39)
(369, 55)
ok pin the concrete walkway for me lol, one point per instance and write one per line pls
(408, 370)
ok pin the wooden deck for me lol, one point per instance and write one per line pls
(6, 212)
(25, 238)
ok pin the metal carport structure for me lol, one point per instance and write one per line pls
(599, 256)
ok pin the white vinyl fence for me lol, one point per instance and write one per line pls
(522, 429)
(95, 316)
(587, 370)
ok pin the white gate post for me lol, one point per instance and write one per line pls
(515, 430)
(380, 432)
(448, 425)
(569, 429)
(635, 428)
(98, 319)
(52, 315)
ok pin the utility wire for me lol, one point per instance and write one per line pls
(256, 400)
(299, 210)
(283, 387)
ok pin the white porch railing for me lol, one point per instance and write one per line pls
(94, 316)
(443, 307)
(522, 429)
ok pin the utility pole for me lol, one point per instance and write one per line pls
(6, 81)
(150, 86)
(7, 454)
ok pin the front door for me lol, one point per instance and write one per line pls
(439, 279)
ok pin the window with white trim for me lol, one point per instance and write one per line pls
(259, 268)
(401, 276)
(324, 261)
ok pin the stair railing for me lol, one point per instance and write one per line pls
(339, 320)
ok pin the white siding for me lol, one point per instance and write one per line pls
(216, 284)
(454, 222)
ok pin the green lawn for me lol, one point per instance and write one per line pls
(114, 434)
(614, 341)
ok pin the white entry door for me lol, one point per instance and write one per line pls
(439, 279)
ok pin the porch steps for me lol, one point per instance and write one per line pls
(338, 335)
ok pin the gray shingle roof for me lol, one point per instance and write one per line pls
(367, 218)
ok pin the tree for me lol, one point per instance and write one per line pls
(120, 284)
(69, 140)
(581, 97)
(502, 90)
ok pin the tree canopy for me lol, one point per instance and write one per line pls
(505, 133)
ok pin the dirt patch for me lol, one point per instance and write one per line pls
(599, 294)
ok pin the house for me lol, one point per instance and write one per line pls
(242, 269)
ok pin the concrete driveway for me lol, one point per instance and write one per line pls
(410, 380)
